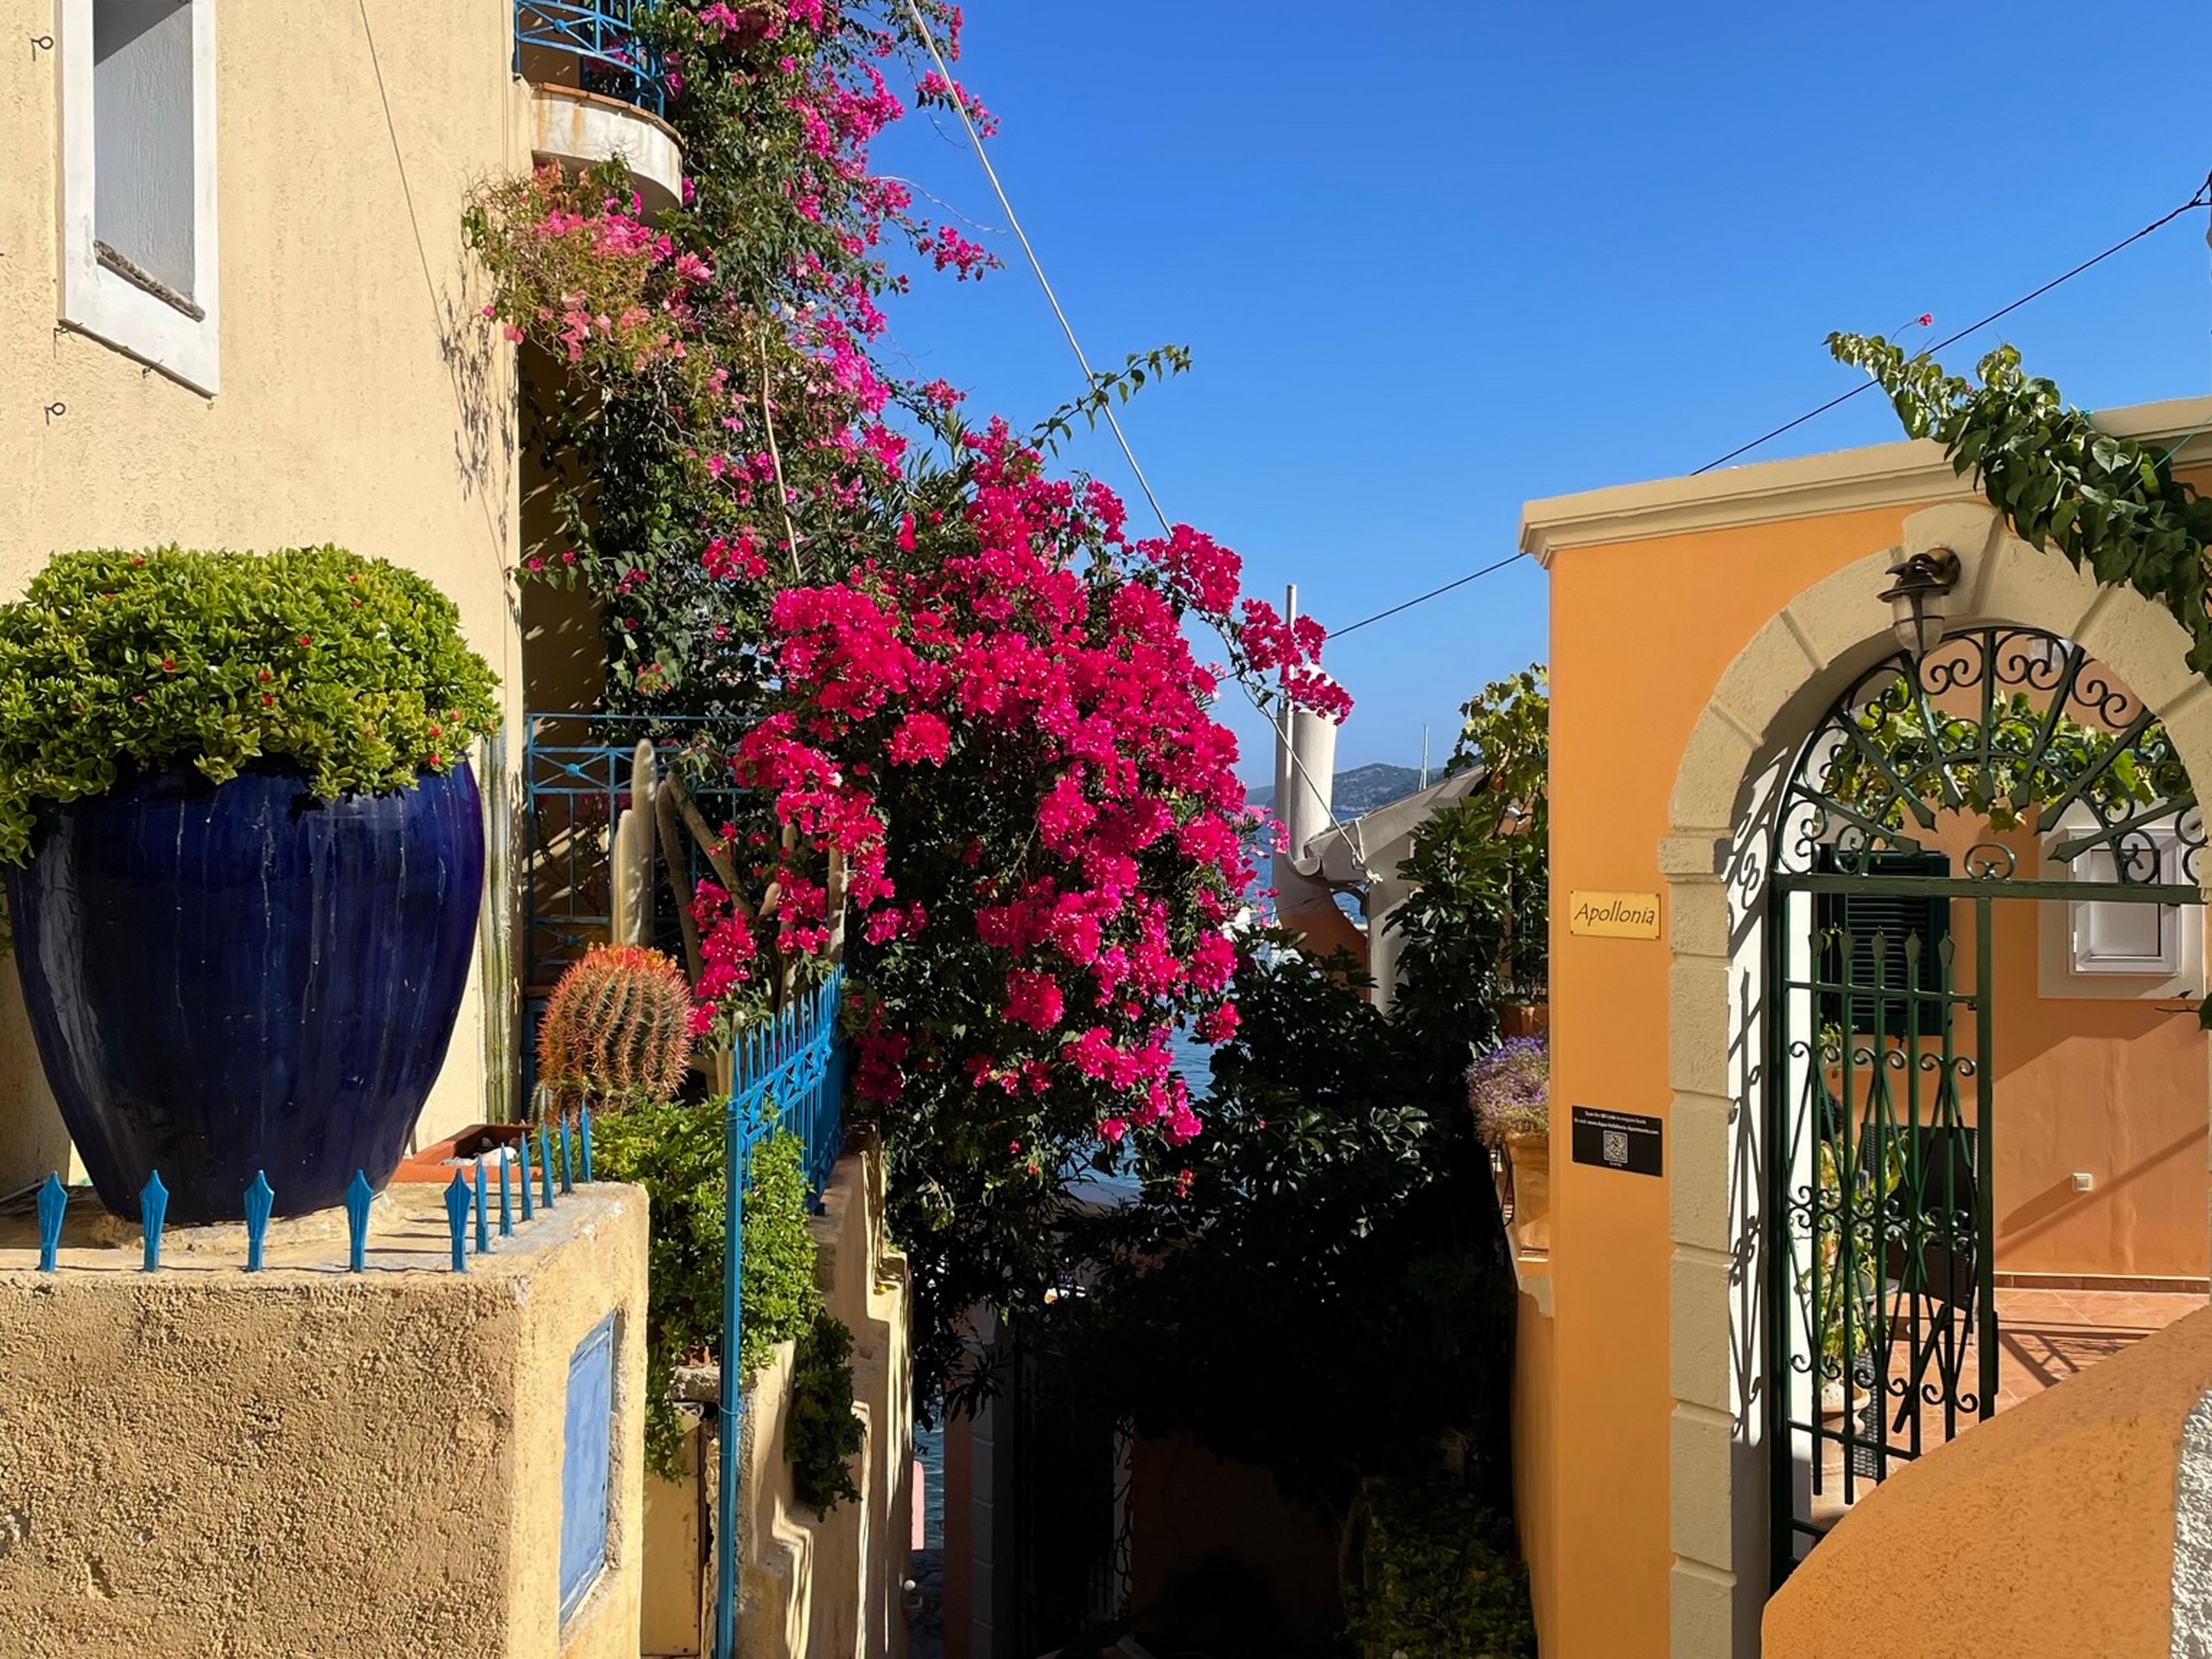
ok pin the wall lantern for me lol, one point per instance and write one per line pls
(1920, 595)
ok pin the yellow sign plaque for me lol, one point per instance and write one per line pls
(1614, 915)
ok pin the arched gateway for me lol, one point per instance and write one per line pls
(1943, 818)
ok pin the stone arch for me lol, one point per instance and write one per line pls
(1712, 859)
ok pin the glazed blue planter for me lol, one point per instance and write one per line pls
(225, 980)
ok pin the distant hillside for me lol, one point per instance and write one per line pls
(1361, 790)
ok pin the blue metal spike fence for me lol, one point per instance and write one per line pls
(602, 36)
(457, 1220)
(788, 1076)
(153, 1210)
(260, 1200)
(358, 1197)
(52, 1205)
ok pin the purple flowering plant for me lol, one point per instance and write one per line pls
(1510, 1089)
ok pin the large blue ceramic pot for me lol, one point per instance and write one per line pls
(230, 979)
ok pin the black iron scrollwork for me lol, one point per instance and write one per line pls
(2017, 726)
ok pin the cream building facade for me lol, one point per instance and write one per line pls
(236, 311)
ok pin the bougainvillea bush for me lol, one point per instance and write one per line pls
(996, 743)
(705, 392)
(959, 692)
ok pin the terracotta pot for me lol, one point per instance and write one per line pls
(1531, 1157)
(1525, 1019)
(437, 1161)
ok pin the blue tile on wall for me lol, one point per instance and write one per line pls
(587, 1464)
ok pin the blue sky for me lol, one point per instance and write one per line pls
(1437, 258)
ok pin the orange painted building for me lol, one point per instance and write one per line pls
(1693, 1413)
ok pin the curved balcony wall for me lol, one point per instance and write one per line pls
(596, 93)
(2077, 1525)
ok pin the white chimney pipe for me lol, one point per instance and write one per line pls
(1306, 771)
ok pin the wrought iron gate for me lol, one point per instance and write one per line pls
(1880, 1122)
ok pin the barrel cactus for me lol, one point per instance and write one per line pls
(617, 1031)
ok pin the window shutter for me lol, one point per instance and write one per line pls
(1890, 918)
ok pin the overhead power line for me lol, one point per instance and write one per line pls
(2203, 198)
(1423, 599)
(1014, 222)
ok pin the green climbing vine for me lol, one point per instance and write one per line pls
(2111, 506)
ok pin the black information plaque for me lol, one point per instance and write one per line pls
(1618, 1141)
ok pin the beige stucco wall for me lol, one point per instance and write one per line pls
(306, 1461)
(821, 1585)
(361, 400)
(809, 1585)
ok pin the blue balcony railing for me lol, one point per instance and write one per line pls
(602, 35)
(576, 782)
(788, 1076)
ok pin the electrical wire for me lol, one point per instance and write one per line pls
(1423, 599)
(2203, 198)
(1013, 223)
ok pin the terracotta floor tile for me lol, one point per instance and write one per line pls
(2047, 1336)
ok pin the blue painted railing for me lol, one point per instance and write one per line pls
(788, 1075)
(467, 1198)
(602, 35)
(576, 784)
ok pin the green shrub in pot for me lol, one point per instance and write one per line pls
(352, 669)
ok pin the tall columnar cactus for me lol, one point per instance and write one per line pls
(617, 1031)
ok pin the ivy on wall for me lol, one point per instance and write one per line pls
(2112, 506)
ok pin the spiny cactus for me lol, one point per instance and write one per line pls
(617, 1031)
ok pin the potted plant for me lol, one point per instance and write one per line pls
(1510, 1089)
(244, 854)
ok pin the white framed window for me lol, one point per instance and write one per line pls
(2119, 948)
(2118, 937)
(138, 252)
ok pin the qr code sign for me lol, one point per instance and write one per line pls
(1616, 1148)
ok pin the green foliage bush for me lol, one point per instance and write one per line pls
(352, 669)
(675, 1152)
(822, 1433)
(2111, 506)
(1437, 1575)
(1328, 1250)
(780, 1295)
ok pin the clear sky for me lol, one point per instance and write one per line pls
(1440, 258)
